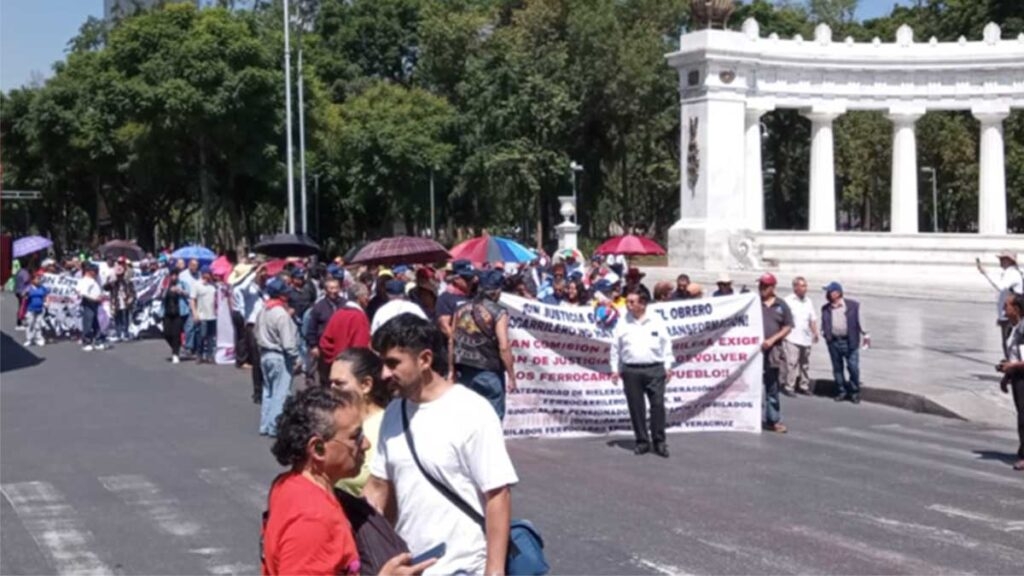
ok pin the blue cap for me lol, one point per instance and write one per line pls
(332, 269)
(492, 280)
(400, 269)
(602, 286)
(395, 287)
(206, 269)
(298, 272)
(576, 275)
(834, 287)
(276, 287)
(463, 268)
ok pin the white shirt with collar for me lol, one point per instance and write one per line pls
(644, 341)
(803, 314)
(1011, 280)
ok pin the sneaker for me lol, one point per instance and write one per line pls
(20, 328)
(100, 347)
(87, 348)
(113, 339)
(27, 343)
(175, 360)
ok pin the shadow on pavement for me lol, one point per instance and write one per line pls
(14, 356)
(623, 444)
(1004, 457)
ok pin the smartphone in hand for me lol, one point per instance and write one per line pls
(434, 553)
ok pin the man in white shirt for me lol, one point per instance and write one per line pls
(458, 440)
(91, 297)
(797, 345)
(641, 354)
(397, 304)
(1010, 281)
(203, 297)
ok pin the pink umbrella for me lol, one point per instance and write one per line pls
(221, 267)
(630, 245)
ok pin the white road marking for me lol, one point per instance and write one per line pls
(893, 561)
(992, 522)
(903, 458)
(942, 535)
(658, 567)
(770, 559)
(950, 437)
(239, 486)
(55, 527)
(915, 445)
(165, 512)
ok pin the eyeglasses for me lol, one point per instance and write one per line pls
(358, 439)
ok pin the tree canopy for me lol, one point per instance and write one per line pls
(168, 125)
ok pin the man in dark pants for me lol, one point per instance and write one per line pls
(1013, 368)
(841, 328)
(641, 354)
(778, 322)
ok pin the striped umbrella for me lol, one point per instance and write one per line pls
(492, 249)
(29, 245)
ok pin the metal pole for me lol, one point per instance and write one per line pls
(288, 118)
(935, 201)
(302, 143)
(316, 196)
(433, 221)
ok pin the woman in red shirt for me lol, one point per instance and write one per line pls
(305, 531)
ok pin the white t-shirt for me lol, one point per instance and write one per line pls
(88, 287)
(460, 442)
(205, 296)
(1010, 280)
(394, 308)
(803, 314)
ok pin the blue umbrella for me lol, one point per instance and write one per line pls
(492, 249)
(29, 245)
(194, 253)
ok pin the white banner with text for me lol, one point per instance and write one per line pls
(565, 381)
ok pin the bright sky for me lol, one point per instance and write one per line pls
(35, 33)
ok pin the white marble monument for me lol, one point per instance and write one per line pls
(729, 80)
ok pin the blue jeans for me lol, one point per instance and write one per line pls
(839, 351)
(490, 385)
(121, 321)
(206, 342)
(191, 333)
(90, 322)
(772, 407)
(277, 383)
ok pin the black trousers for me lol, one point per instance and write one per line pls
(254, 360)
(241, 347)
(172, 333)
(1018, 399)
(640, 382)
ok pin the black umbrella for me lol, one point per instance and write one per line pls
(288, 245)
(117, 248)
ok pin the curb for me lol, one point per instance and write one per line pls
(887, 397)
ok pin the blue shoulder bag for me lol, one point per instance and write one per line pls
(525, 544)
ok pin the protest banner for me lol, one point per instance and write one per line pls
(565, 382)
(63, 314)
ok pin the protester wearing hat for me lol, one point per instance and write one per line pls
(302, 295)
(1012, 368)
(633, 281)
(1010, 281)
(91, 294)
(397, 304)
(842, 331)
(460, 289)
(319, 316)
(724, 283)
(278, 340)
(479, 350)
(380, 294)
(424, 292)
(203, 300)
(641, 355)
(778, 322)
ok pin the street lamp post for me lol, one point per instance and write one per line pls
(288, 118)
(433, 221)
(935, 197)
(574, 167)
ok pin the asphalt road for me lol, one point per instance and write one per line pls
(118, 462)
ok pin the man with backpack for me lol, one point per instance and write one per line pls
(1010, 281)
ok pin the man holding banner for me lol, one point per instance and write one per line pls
(641, 354)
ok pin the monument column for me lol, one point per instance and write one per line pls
(753, 203)
(822, 213)
(992, 171)
(903, 216)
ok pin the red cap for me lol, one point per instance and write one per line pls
(767, 279)
(40, 272)
(425, 273)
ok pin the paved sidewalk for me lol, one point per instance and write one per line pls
(931, 355)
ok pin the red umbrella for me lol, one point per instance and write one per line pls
(630, 245)
(401, 250)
